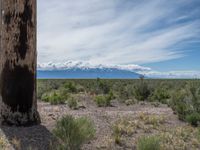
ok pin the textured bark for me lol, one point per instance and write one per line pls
(18, 104)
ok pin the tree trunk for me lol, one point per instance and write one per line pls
(18, 103)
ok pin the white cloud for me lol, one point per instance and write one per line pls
(113, 31)
(184, 74)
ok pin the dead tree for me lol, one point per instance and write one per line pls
(18, 104)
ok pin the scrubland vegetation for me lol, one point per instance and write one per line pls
(183, 96)
(114, 114)
(150, 132)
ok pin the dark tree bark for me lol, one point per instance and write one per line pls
(18, 103)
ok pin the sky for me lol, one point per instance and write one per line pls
(163, 35)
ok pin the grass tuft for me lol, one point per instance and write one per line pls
(73, 133)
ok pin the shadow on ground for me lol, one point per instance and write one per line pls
(25, 138)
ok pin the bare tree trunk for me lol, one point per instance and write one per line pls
(18, 104)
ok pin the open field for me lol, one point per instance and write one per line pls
(125, 114)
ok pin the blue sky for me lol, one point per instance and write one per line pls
(163, 35)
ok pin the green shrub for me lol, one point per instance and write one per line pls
(123, 94)
(180, 103)
(149, 143)
(126, 92)
(110, 96)
(104, 100)
(101, 101)
(193, 119)
(45, 97)
(72, 103)
(102, 87)
(53, 98)
(142, 91)
(44, 86)
(72, 133)
(64, 93)
(41, 89)
(194, 91)
(56, 99)
(161, 95)
(71, 87)
(80, 88)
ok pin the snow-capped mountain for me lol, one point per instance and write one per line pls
(85, 65)
(76, 69)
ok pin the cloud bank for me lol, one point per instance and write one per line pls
(184, 74)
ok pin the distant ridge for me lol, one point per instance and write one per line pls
(75, 70)
(85, 65)
(87, 74)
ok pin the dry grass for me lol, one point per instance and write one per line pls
(2, 142)
(127, 131)
(16, 143)
(186, 137)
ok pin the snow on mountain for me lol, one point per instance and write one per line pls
(77, 69)
(86, 66)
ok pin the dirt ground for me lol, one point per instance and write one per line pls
(39, 137)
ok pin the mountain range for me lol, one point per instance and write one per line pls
(76, 70)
